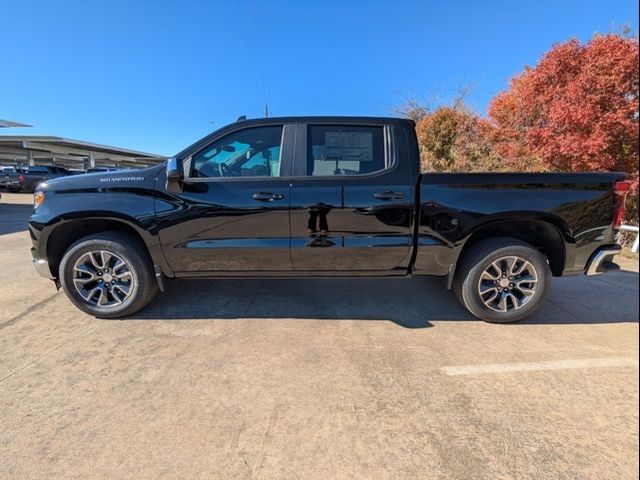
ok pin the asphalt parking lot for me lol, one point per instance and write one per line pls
(309, 379)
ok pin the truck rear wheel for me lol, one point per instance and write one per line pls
(502, 280)
(108, 275)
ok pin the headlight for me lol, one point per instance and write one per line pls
(38, 198)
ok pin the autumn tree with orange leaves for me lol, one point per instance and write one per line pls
(577, 110)
(455, 139)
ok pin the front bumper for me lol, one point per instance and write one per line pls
(42, 267)
(602, 261)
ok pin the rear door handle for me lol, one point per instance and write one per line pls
(267, 196)
(388, 195)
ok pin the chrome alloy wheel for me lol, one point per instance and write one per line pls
(103, 278)
(508, 284)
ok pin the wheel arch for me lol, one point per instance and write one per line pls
(67, 232)
(541, 234)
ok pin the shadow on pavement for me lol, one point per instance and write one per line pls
(13, 217)
(608, 298)
(408, 302)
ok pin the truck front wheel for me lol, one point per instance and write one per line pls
(108, 275)
(502, 280)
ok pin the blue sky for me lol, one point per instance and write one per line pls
(153, 75)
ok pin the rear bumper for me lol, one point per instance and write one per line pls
(602, 261)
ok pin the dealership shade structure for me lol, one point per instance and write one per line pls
(23, 150)
(10, 124)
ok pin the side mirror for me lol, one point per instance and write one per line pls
(174, 175)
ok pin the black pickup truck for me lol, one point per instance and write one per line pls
(9, 177)
(322, 196)
(29, 179)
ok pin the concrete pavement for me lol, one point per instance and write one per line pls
(330, 378)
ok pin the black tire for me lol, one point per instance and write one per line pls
(479, 258)
(143, 283)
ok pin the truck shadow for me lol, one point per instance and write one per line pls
(407, 302)
(403, 301)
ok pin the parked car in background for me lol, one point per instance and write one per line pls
(9, 176)
(323, 196)
(29, 180)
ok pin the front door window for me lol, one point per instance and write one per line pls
(253, 152)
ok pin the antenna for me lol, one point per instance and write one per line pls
(266, 110)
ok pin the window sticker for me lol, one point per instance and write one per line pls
(348, 146)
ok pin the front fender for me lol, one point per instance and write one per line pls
(78, 214)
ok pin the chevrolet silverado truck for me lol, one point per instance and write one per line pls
(316, 197)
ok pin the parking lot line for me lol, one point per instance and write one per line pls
(604, 362)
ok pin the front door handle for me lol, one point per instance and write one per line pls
(388, 195)
(267, 196)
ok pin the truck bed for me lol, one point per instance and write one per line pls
(578, 207)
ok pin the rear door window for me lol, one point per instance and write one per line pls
(338, 150)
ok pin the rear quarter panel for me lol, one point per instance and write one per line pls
(454, 206)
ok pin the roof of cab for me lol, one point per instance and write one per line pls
(301, 119)
(324, 118)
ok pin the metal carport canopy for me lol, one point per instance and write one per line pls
(26, 150)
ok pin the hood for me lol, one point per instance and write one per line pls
(122, 179)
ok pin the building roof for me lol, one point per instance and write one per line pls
(10, 124)
(40, 149)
